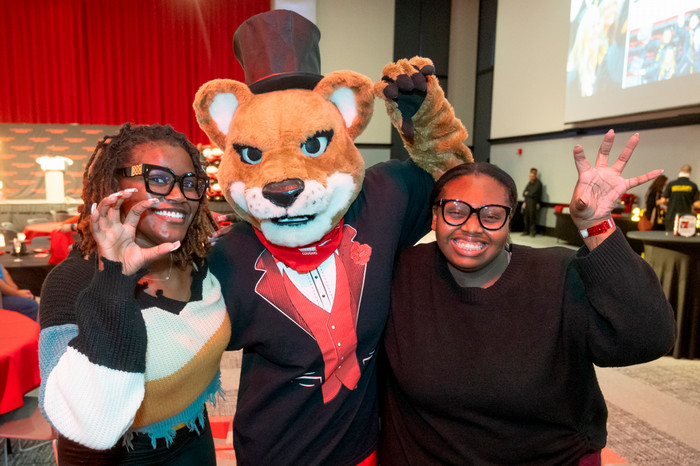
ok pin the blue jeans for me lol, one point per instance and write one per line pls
(27, 306)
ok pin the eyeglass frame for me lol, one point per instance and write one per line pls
(144, 168)
(442, 202)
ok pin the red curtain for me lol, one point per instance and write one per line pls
(109, 62)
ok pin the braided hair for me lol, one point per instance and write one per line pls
(99, 181)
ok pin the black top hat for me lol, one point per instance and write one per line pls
(278, 50)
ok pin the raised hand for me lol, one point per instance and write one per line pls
(599, 187)
(116, 239)
(406, 84)
(433, 136)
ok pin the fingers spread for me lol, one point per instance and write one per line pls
(643, 178)
(626, 153)
(580, 160)
(604, 151)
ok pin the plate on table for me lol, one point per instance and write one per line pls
(41, 251)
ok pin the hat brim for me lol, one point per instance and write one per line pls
(284, 81)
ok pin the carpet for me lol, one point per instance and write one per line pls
(638, 443)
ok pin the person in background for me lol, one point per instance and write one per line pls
(652, 202)
(69, 225)
(13, 298)
(531, 205)
(133, 324)
(490, 348)
(680, 196)
(62, 239)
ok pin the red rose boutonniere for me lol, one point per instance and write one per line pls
(360, 253)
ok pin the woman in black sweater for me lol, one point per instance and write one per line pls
(491, 348)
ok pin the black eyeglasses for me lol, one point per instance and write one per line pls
(161, 180)
(456, 213)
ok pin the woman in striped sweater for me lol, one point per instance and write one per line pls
(133, 324)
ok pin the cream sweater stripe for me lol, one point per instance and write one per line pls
(175, 339)
(77, 389)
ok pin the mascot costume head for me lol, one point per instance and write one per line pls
(290, 167)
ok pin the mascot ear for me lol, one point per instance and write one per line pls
(214, 105)
(352, 93)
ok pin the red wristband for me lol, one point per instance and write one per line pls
(598, 229)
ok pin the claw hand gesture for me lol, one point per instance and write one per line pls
(116, 238)
(599, 187)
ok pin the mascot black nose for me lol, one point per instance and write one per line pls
(283, 193)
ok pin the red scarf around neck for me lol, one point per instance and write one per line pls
(304, 259)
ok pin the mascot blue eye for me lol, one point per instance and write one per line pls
(250, 155)
(317, 144)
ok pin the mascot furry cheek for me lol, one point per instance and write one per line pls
(290, 167)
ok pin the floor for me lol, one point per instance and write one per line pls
(654, 408)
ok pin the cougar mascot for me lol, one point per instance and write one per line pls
(306, 274)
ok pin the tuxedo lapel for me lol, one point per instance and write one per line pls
(271, 288)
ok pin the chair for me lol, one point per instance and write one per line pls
(8, 234)
(32, 221)
(25, 423)
(61, 215)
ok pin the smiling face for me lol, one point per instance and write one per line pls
(470, 247)
(169, 219)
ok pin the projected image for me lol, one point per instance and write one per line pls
(663, 44)
(597, 45)
(617, 46)
(622, 43)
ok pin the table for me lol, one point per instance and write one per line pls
(28, 273)
(40, 229)
(676, 261)
(19, 211)
(19, 359)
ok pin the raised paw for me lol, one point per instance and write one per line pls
(406, 84)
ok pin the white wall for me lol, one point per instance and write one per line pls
(529, 81)
(528, 99)
(358, 35)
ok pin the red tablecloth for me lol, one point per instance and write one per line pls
(19, 358)
(40, 229)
